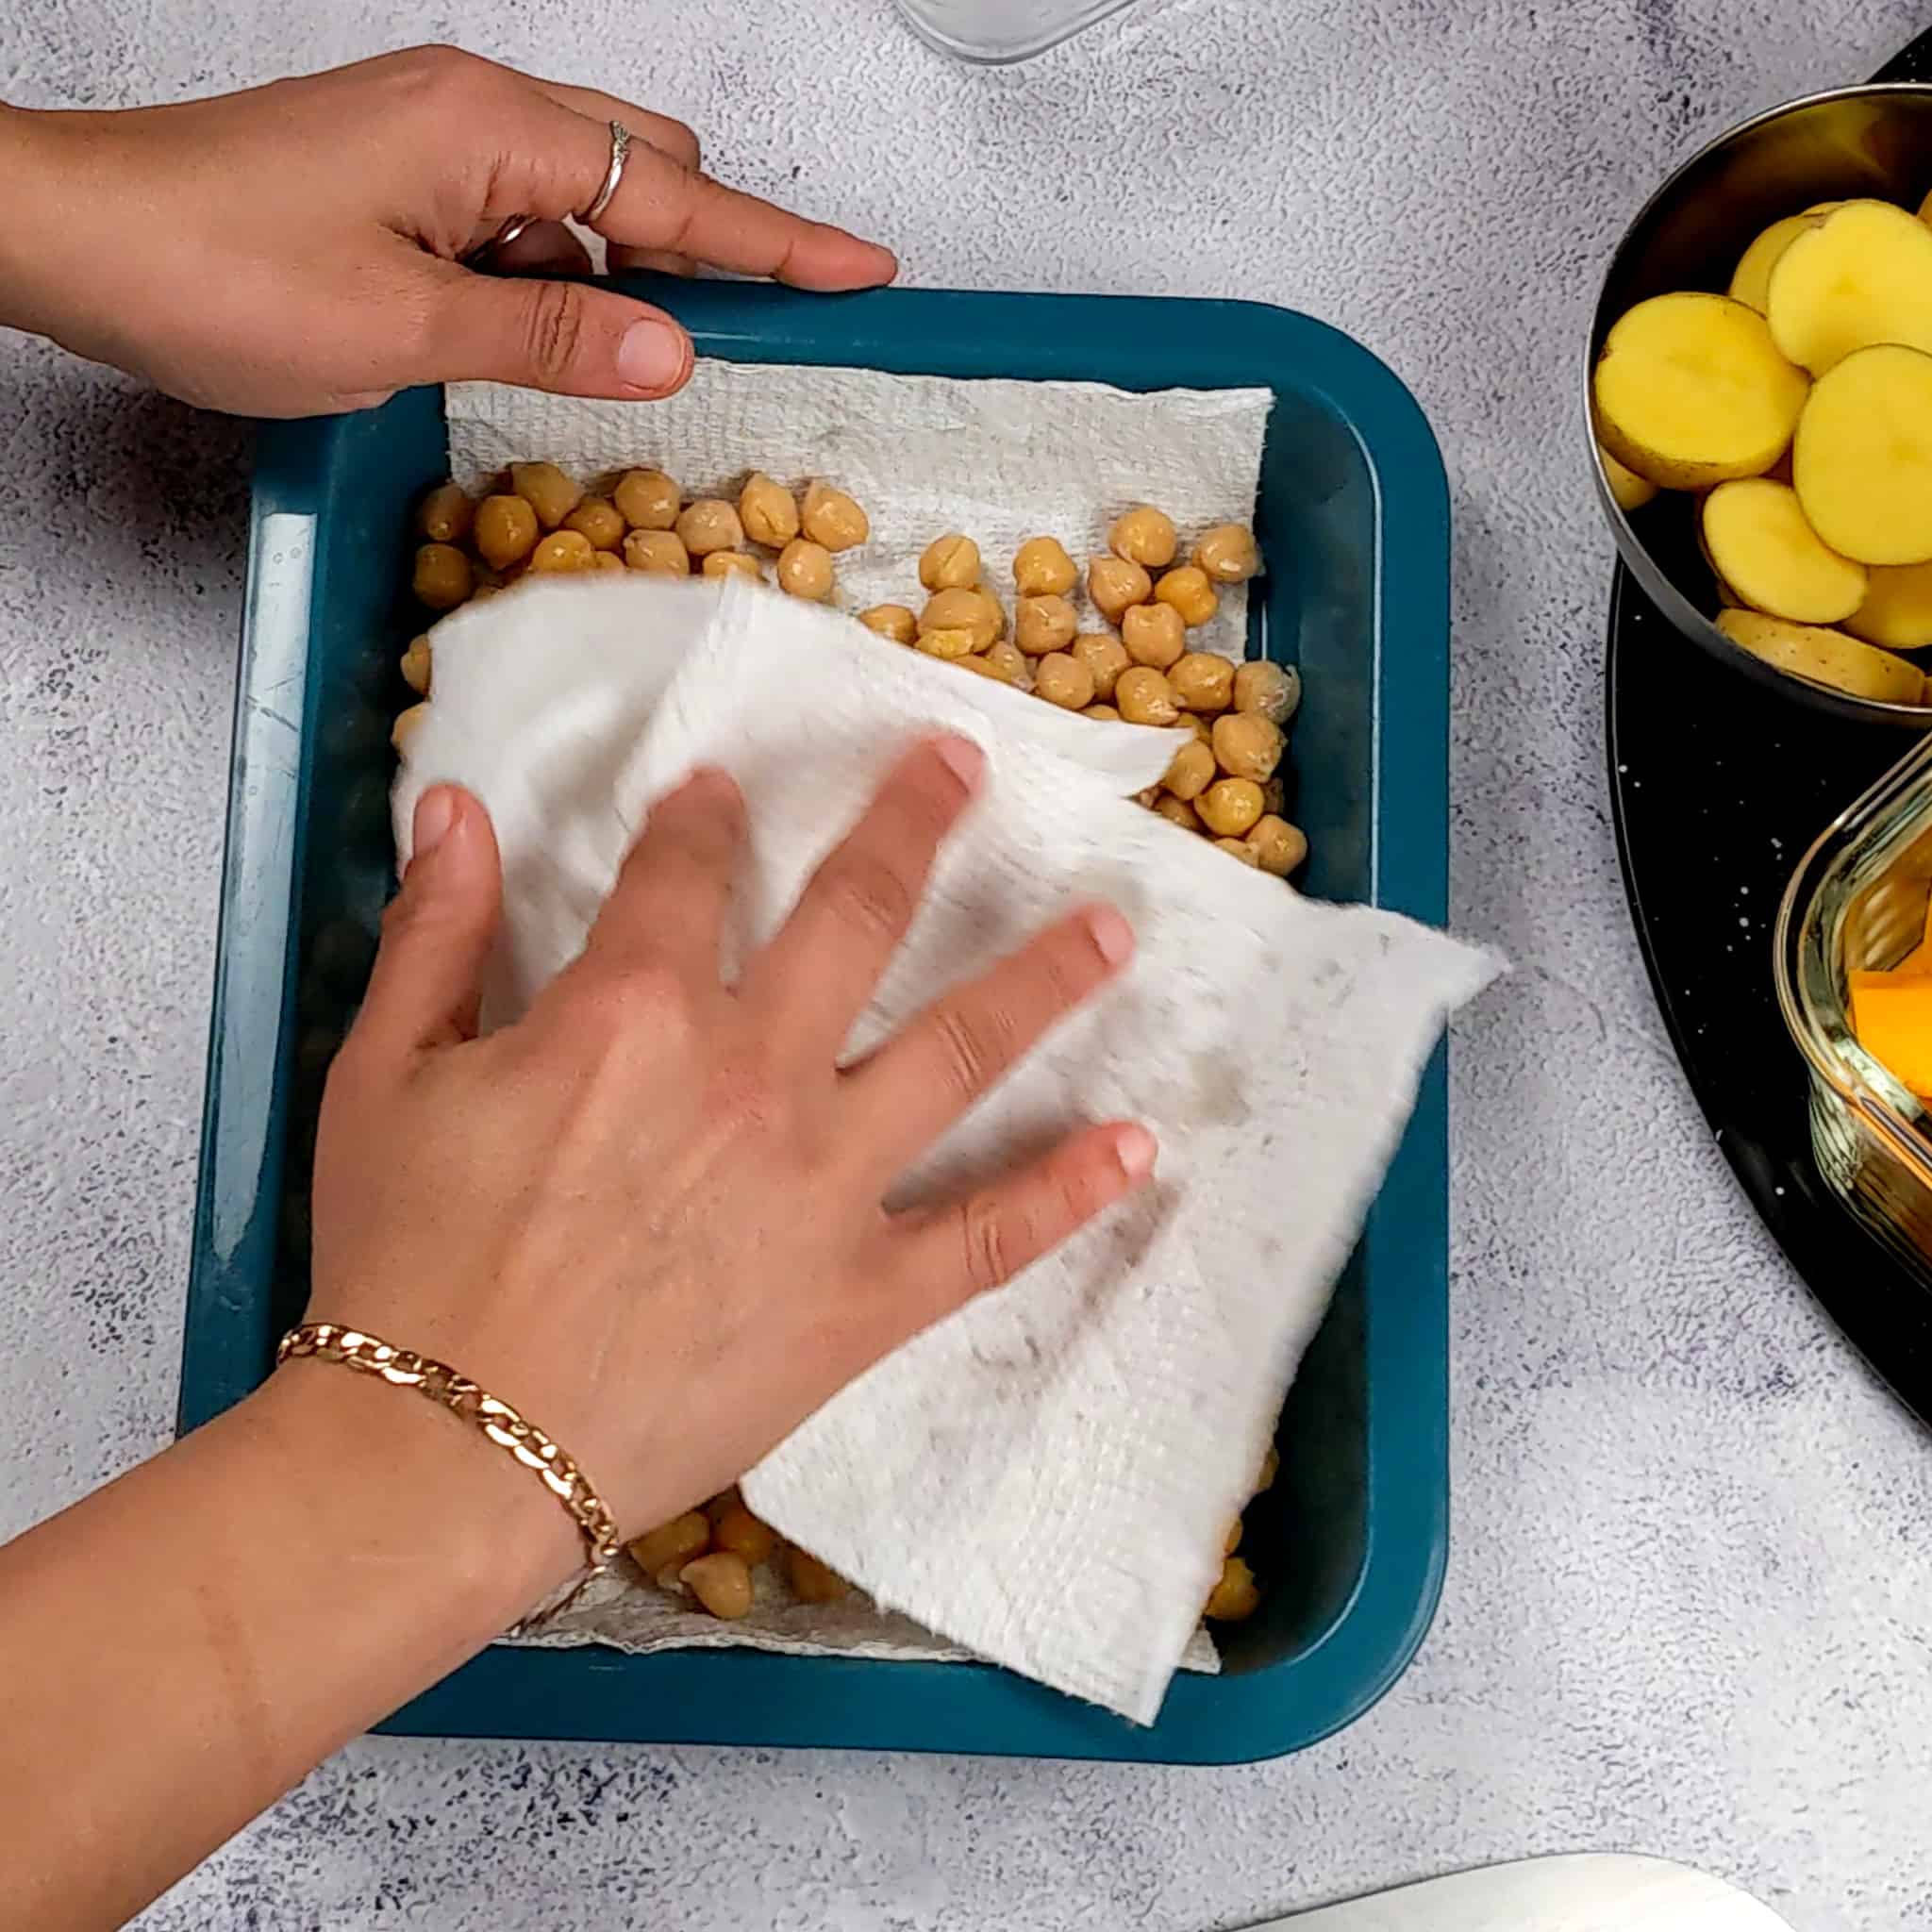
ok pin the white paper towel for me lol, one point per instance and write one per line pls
(1000, 460)
(1045, 1479)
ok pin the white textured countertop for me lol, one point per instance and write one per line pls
(1690, 1605)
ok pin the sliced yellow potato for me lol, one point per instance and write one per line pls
(1631, 490)
(1825, 656)
(1763, 550)
(1862, 456)
(1690, 390)
(1752, 277)
(1925, 210)
(1862, 275)
(1897, 611)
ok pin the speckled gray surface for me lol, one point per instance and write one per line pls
(1686, 1610)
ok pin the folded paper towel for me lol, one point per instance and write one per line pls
(1045, 1478)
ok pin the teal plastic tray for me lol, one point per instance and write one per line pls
(1350, 1543)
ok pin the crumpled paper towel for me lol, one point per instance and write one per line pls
(1044, 1477)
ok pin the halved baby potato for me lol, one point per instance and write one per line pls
(1861, 461)
(1825, 656)
(1750, 278)
(1630, 490)
(1862, 275)
(1762, 549)
(1690, 390)
(1897, 611)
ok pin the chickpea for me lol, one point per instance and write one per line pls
(1145, 697)
(735, 1528)
(1177, 811)
(1041, 568)
(1154, 635)
(1188, 591)
(733, 563)
(805, 570)
(1104, 712)
(562, 551)
(1202, 682)
(1239, 849)
(811, 1581)
(1116, 586)
(447, 514)
(1278, 846)
(1236, 1596)
(1150, 797)
(1246, 746)
(1044, 623)
(707, 524)
(969, 611)
(980, 667)
(441, 577)
(662, 551)
(599, 520)
(1232, 1541)
(406, 726)
(1271, 1467)
(1192, 720)
(722, 1582)
(1061, 680)
(672, 1545)
(1144, 535)
(1230, 806)
(768, 512)
(416, 663)
(505, 530)
(891, 621)
(1008, 659)
(1227, 554)
(648, 499)
(950, 563)
(547, 490)
(950, 642)
(1272, 689)
(724, 1500)
(833, 519)
(606, 559)
(1104, 655)
(1192, 771)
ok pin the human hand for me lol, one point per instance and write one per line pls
(650, 1214)
(296, 249)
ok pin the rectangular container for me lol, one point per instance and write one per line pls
(1353, 518)
(1858, 903)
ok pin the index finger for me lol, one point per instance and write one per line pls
(661, 204)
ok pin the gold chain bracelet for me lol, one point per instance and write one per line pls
(330, 1341)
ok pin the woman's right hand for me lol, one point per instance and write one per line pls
(650, 1214)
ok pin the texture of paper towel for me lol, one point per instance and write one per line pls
(998, 459)
(1043, 1478)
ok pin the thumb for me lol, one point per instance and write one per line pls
(566, 337)
(426, 983)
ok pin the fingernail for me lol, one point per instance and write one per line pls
(436, 812)
(961, 757)
(1134, 1148)
(653, 354)
(1113, 938)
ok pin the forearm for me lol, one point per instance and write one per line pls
(183, 1647)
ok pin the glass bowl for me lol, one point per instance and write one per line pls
(1857, 902)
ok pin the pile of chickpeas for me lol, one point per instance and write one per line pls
(1133, 664)
(539, 522)
(708, 1554)
(1137, 669)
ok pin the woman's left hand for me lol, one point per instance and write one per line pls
(298, 249)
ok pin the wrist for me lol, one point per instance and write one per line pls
(381, 1470)
(30, 242)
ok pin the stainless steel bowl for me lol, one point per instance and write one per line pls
(1857, 141)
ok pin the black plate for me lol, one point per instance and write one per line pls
(1718, 789)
